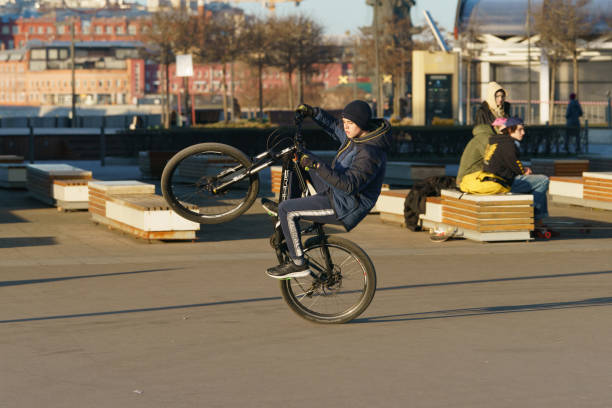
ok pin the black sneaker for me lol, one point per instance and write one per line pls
(270, 206)
(289, 270)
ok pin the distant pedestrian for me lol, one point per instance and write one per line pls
(573, 112)
(494, 106)
(572, 121)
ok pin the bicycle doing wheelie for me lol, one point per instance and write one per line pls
(212, 183)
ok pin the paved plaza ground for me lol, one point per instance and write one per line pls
(94, 318)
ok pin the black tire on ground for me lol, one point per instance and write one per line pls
(189, 175)
(338, 302)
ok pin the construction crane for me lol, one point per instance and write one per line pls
(269, 4)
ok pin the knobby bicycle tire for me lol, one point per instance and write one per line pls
(190, 175)
(336, 300)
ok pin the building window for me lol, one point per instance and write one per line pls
(41, 30)
(60, 29)
(15, 29)
(49, 30)
(132, 29)
(52, 54)
(38, 54)
(86, 27)
(31, 30)
(5, 29)
(98, 29)
(120, 30)
(109, 30)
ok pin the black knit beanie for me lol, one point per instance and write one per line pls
(358, 112)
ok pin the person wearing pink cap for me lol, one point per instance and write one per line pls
(472, 156)
(503, 172)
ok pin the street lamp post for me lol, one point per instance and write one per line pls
(379, 106)
(529, 61)
(72, 74)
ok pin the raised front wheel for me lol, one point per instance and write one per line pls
(199, 183)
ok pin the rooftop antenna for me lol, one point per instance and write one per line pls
(436, 32)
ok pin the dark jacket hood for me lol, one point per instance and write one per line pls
(379, 137)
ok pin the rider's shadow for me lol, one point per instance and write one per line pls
(251, 225)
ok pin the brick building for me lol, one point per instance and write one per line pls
(40, 74)
(114, 73)
(96, 25)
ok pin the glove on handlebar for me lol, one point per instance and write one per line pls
(305, 110)
(308, 163)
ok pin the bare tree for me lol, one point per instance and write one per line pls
(297, 46)
(561, 24)
(395, 54)
(185, 25)
(161, 36)
(258, 43)
(468, 41)
(219, 40)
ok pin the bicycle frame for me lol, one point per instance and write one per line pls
(265, 159)
(290, 164)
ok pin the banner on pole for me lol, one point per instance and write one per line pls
(184, 65)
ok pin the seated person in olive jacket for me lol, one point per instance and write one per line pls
(503, 171)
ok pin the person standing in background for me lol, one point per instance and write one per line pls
(494, 106)
(572, 121)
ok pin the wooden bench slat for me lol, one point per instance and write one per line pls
(498, 215)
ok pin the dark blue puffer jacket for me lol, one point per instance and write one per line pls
(356, 174)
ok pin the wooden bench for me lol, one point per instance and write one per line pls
(10, 158)
(133, 207)
(275, 179)
(507, 217)
(60, 185)
(597, 186)
(390, 206)
(593, 190)
(561, 168)
(12, 172)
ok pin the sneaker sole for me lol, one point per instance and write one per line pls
(300, 274)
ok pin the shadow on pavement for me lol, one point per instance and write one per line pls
(148, 309)
(572, 228)
(16, 200)
(7, 217)
(438, 314)
(65, 278)
(16, 242)
(478, 311)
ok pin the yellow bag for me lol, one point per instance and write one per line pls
(473, 183)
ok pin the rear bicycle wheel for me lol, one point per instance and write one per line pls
(190, 177)
(333, 296)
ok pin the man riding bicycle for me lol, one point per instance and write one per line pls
(346, 189)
